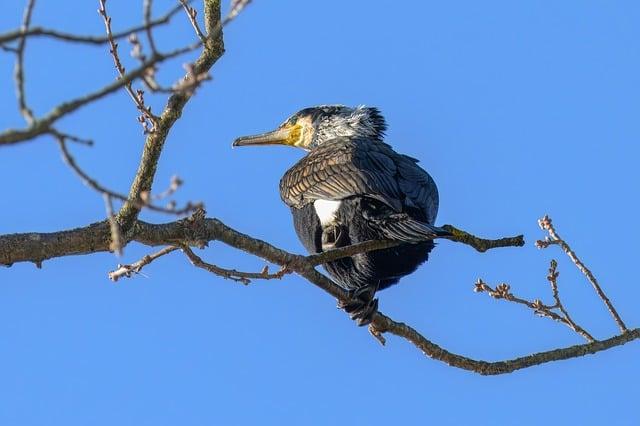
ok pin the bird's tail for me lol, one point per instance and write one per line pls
(404, 228)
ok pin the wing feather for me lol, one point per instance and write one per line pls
(343, 167)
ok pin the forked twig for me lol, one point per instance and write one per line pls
(86, 39)
(147, 119)
(135, 268)
(144, 202)
(192, 14)
(555, 239)
(232, 274)
(503, 291)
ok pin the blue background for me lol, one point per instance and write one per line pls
(517, 109)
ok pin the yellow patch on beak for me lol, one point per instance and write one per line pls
(287, 134)
(295, 135)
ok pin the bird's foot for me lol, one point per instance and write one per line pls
(361, 306)
(333, 236)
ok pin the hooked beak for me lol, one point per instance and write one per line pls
(281, 136)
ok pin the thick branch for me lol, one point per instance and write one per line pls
(382, 323)
(480, 244)
(143, 180)
(197, 231)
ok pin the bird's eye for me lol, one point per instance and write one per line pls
(292, 121)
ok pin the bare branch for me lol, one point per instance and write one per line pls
(135, 268)
(236, 8)
(552, 277)
(383, 324)
(86, 39)
(147, 119)
(503, 291)
(92, 183)
(43, 125)
(554, 238)
(232, 274)
(147, 5)
(143, 180)
(118, 230)
(196, 231)
(18, 72)
(117, 243)
(191, 14)
(174, 184)
(481, 244)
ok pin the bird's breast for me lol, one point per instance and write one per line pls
(326, 210)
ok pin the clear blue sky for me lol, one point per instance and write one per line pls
(517, 109)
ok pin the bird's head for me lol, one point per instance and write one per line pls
(310, 127)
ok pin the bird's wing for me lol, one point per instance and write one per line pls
(342, 168)
(339, 169)
(418, 187)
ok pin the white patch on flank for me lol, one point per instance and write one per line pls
(326, 210)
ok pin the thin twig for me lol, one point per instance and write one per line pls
(174, 184)
(147, 119)
(232, 274)
(192, 13)
(552, 277)
(43, 125)
(86, 39)
(147, 5)
(236, 8)
(546, 224)
(8, 48)
(18, 72)
(129, 270)
(92, 183)
(503, 291)
(117, 243)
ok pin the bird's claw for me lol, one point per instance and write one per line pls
(361, 306)
(333, 236)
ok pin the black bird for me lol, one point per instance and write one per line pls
(352, 187)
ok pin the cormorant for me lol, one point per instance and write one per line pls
(352, 187)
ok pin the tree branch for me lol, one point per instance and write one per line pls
(43, 125)
(198, 231)
(232, 274)
(546, 224)
(92, 183)
(481, 244)
(135, 268)
(143, 180)
(117, 231)
(86, 39)
(385, 324)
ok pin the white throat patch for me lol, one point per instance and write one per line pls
(326, 210)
